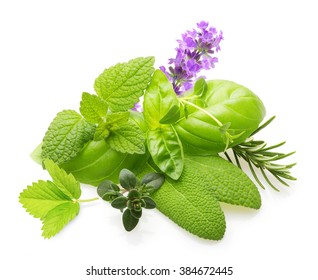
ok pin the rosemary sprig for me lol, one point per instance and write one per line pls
(258, 154)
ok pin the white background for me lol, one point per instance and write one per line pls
(51, 51)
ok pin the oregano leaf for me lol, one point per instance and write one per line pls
(122, 85)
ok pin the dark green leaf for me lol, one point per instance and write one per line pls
(111, 195)
(149, 203)
(154, 179)
(129, 221)
(136, 213)
(127, 179)
(105, 187)
(134, 194)
(120, 202)
(172, 116)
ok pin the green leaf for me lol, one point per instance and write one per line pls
(122, 85)
(106, 186)
(193, 201)
(153, 179)
(65, 182)
(129, 221)
(134, 194)
(55, 203)
(120, 202)
(136, 213)
(66, 136)
(101, 131)
(57, 218)
(172, 116)
(149, 203)
(47, 201)
(227, 102)
(127, 179)
(93, 108)
(42, 197)
(200, 87)
(158, 101)
(117, 119)
(127, 138)
(166, 150)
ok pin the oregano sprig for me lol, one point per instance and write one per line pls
(258, 154)
(132, 195)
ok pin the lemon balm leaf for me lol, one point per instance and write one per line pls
(93, 108)
(122, 85)
(66, 136)
(127, 138)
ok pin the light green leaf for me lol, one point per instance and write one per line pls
(65, 182)
(66, 136)
(117, 119)
(55, 203)
(127, 138)
(159, 99)
(166, 150)
(200, 87)
(172, 116)
(93, 108)
(101, 131)
(42, 197)
(122, 85)
(58, 217)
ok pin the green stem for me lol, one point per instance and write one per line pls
(204, 111)
(87, 200)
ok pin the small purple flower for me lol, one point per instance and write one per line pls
(195, 53)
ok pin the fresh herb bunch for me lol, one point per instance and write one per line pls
(131, 195)
(186, 122)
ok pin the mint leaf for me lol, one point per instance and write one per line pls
(122, 85)
(66, 136)
(55, 203)
(65, 182)
(128, 138)
(93, 108)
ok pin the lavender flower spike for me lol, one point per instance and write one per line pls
(195, 52)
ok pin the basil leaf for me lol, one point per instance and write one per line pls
(158, 101)
(166, 150)
(172, 116)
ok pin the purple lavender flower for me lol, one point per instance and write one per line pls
(195, 52)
